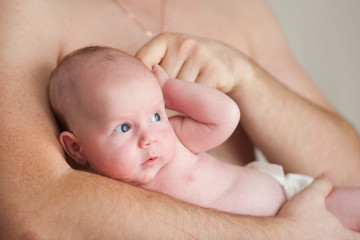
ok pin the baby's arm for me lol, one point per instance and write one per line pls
(344, 203)
(211, 116)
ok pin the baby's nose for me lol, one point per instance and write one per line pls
(147, 139)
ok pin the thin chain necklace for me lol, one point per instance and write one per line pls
(146, 31)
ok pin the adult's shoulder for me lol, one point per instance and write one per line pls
(29, 31)
(26, 12)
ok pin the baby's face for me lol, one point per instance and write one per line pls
(126, 134)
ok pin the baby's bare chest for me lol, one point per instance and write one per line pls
(211, 183)
(199, 178)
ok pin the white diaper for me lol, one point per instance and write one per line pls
(292, 183)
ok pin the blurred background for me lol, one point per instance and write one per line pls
(324, 36)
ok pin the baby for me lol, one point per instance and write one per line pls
(112, 112)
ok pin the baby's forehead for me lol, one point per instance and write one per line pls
(111, 62)
(93, 74)
(113, 69)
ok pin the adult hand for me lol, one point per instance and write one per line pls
(308, 214)
(196, 59)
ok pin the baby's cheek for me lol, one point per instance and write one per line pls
(170, 142)
(116, 169)
(110, 163)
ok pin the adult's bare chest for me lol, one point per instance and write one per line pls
(103, 23)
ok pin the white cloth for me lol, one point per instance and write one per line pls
(292, 183)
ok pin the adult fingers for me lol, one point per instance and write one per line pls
(307, 211)
(189, 71)
(322, 185)
(153, 51)
(311, 198)
(182, 58)
(314, 195)
(176, 53)
(167, 50)
(173, 61)
(208, 77)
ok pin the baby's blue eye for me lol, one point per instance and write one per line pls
(122, 128)
(155, 117)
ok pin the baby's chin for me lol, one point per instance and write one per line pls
(137, 182)
(147, 178)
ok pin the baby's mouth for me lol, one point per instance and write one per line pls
(150, 162)
(153, 157)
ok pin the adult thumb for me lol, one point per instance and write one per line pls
(321, 185)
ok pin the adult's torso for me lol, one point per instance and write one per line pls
(92, 22)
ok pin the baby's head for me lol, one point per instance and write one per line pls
(112, 111)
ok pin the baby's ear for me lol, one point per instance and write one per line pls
(160, 74)
(71, 146)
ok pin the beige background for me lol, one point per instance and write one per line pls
(324, 36)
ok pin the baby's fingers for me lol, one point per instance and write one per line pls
(160, 74)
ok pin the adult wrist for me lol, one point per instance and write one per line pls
(245, 72)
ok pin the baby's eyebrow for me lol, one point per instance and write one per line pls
(116, 118)
(159, 105)
(112, 119)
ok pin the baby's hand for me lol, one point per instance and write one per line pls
(160, 74)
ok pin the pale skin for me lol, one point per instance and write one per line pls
(122, 131)
(35, 178)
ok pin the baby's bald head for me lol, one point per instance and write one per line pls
(79, 74)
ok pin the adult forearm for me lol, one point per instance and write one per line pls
(68, 204)
(42, 198)
(86, 206)
(295, 132)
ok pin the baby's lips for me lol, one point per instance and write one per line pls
(150, 162)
